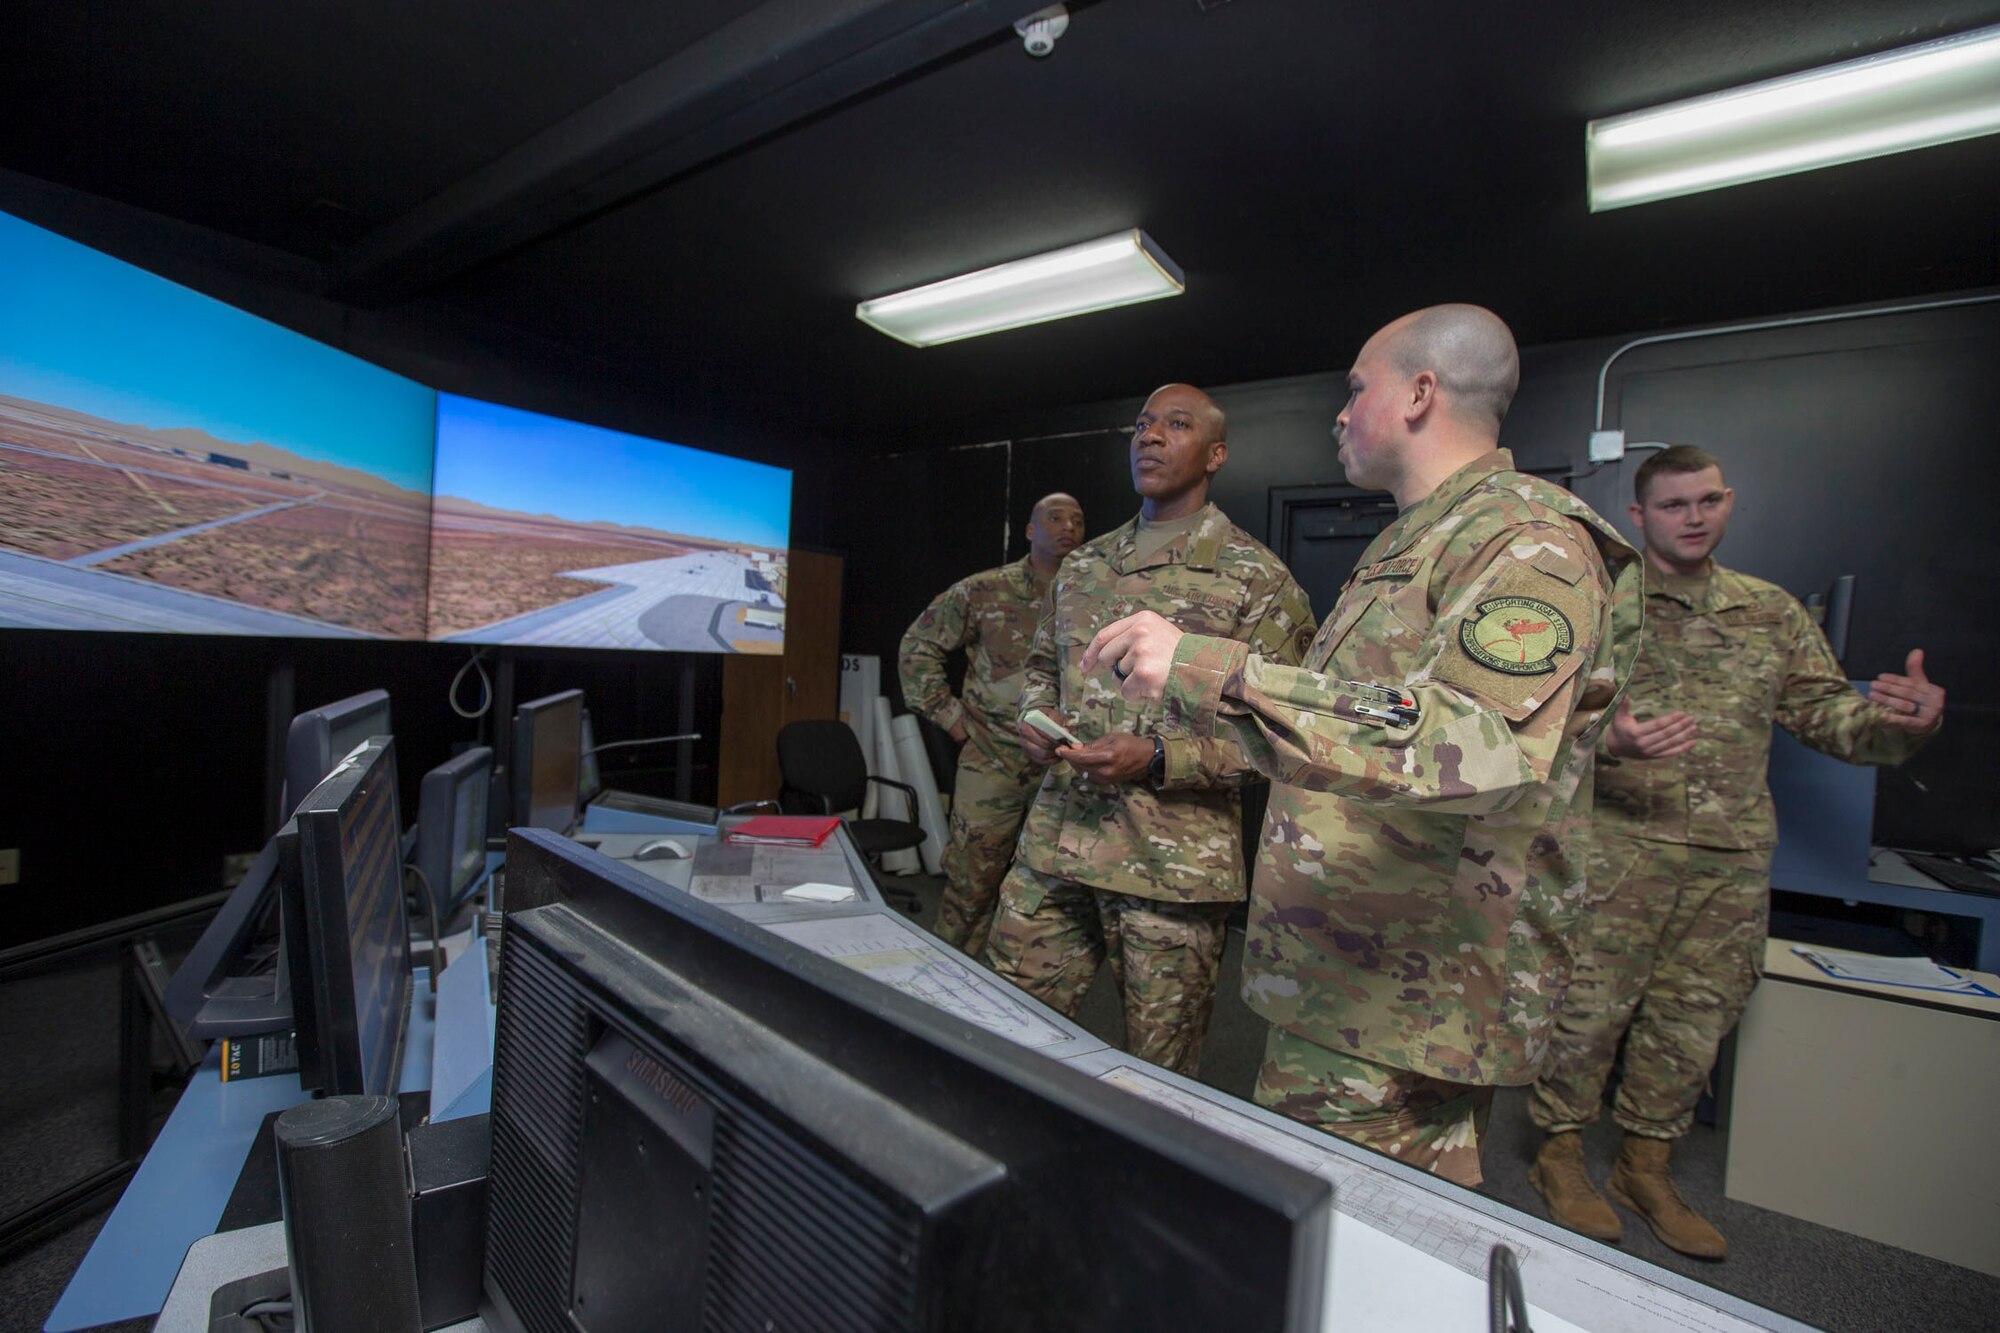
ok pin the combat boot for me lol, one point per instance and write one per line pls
(1558, 1175)
(1640, 1182)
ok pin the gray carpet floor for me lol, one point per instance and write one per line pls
(58, 1123)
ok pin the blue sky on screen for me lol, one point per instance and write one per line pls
(534, 464)
(81, 330)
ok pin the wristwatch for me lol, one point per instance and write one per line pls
(1157, 770)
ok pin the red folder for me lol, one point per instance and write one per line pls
(784, 830)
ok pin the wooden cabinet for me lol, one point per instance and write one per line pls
(760, 694)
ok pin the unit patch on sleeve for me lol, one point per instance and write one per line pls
(1520, 636)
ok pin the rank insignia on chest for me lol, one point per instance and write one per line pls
(1521, 636)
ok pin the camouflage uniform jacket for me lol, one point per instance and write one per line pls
(992, 616)
(1419, 884)
(1182, 840)
(1739, 654)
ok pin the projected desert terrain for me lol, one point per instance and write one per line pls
(503, 577)
(117, 526)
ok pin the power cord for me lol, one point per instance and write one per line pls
(430, 916)
(1507, 1307)
(485, 688)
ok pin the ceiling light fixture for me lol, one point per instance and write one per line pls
(1935, 93)
(1121, 269)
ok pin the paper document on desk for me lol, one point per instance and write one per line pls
(1916, 973)
(821, 893)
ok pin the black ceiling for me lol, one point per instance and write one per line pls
(1315, 167)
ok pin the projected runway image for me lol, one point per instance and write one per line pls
(561, 534)
(115, 526)
(169, 463)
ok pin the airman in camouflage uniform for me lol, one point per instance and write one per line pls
(1133, 849)
(1420, 874)
(992, 617)
(1681, 845)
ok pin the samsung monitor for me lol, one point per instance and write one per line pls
(698, 1124)
(451, 830)
(346, 935)
(548, 744)
(322, 737)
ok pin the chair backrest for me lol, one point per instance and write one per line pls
(822, 756)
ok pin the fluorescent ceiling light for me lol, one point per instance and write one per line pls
(1939, 92)
(1122, 269)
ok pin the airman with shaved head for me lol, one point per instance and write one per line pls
(1421, 871)
(991, 616)
(1133, 848)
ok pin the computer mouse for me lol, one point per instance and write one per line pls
(660, 849)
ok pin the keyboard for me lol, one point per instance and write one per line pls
(1953, 873)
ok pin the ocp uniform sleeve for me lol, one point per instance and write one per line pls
(1817, 705)
(1278, 624)
(944, 627)
(1493, 711)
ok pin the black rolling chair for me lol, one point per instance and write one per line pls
(821, 771)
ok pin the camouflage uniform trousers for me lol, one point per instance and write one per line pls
(987, 807)
(1674, 946)
(1429, 1123)
(1050, 935)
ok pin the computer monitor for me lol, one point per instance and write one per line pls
(691, 1114)
(341, 890)
(451, 829)
(548, 742)
(322, 737)
(235, 981)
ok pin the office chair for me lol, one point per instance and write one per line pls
(821, 771)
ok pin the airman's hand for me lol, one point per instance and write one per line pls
(1910, 700)
(1119, 757)
(1039, 748)
(1138, 649)
(1660, 738)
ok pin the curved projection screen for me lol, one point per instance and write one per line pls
(558, 534)
(169, 463)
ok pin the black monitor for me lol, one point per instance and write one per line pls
(235, 982)
(698, 1122)
(321, 738)
(341, 890)
(548, 744)
(451, 829)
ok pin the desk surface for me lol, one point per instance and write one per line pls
(1408, 1250)
(1780, 963)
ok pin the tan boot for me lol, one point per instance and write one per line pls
(1640, 1182)
(1558, 1175)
